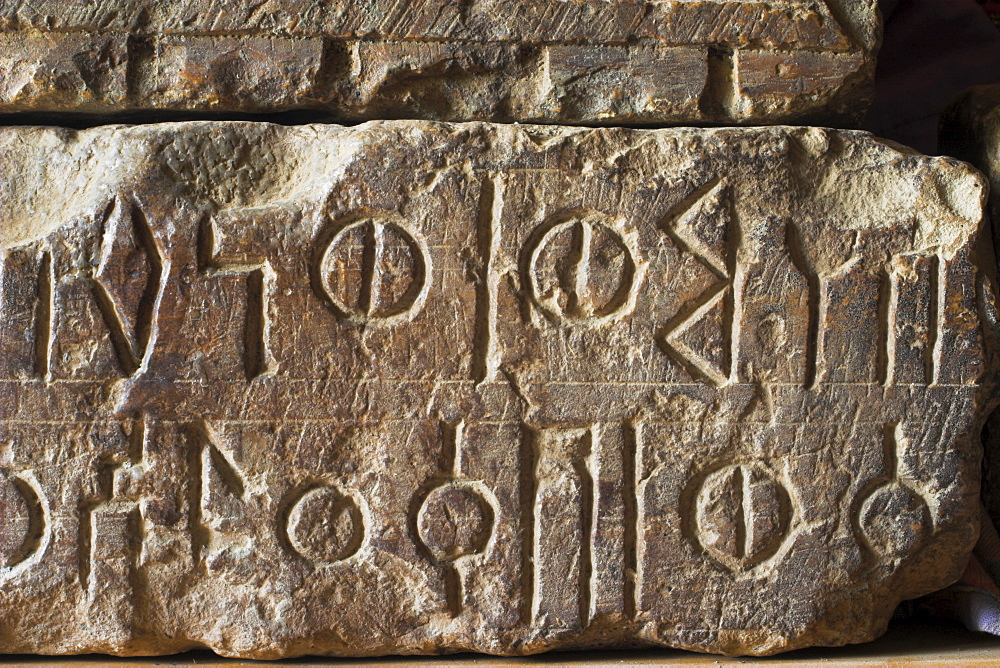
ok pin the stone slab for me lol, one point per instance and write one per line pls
(905, 645)
(554, 61)
(412, 387)
(970, 128)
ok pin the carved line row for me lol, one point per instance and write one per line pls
(566, 305)
(383, 20)
(740, 515)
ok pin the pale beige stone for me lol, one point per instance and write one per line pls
(412, 387)
(556, 61)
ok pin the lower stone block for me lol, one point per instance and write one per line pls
(415, 388)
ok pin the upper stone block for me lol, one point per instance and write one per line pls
(412, 387)
(551, 61)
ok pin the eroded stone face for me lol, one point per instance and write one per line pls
(970, 128)
(414, 387)
(591, 62)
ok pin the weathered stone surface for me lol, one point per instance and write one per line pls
(588, 62)
(414, 387)
(970, 128)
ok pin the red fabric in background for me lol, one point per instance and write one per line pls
(932, 51)
(993, 9)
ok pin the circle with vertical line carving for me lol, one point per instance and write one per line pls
(375, 272)
(455, 520)
(583, 271)
(742, 515)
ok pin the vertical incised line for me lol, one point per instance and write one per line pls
(630, 472)
(484, 360)
(816, 296)
(454, 590)
(741, 484)
(720, 97)
(370, 262)
(527, 488)
(258, 356)
(888, 308)
(822, 287)
(583, 239)
(891, 434)
(588, 515)
(938, 307)
(735, 301)
(453, 433)
(44, 315)
(197, 443)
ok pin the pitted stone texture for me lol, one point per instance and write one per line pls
(554, 61)
(413, 387)
(970, 129)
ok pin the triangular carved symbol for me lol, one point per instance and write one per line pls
(682, 225)
(127, 281)
(222, 488)
(691, 225)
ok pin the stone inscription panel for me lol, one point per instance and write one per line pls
(592, 62)
(414, 387)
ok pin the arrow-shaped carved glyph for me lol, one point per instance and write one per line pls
(681, 226)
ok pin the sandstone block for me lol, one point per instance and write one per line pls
(970, 128)
(589, 62)
(412, 387)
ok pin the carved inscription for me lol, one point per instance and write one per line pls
(563, 526)
(583, 271)
(375, 272)
(914, 303)
(723, 301)
(456, 519)
(24, 528)
(413, 387)
(230, 251)
(741, 515)
(127, 282)
(894, 515)
(326, 525)
(218, 498)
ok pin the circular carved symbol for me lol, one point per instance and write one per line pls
(895, 519)
(375, 272)
(455, 520)
(325, 525)
(582, 271)
(20, 521)
(742, 515)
